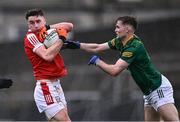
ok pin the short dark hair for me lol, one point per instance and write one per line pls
(129, 20)
(34, 12)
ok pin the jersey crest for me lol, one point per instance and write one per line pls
(127, 54)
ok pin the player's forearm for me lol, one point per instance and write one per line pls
(53, 50)
(108, 68)
(66, 25)
(89, 47)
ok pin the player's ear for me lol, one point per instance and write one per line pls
(129, 28)
(126, 28)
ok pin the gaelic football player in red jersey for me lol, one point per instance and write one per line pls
(47, 64)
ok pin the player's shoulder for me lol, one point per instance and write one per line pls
(113, 43)
(135, 44)
(31, 38)
(115, 40)
(30, 34)
(136, 41)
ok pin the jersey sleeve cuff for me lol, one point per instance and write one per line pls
(37, 46)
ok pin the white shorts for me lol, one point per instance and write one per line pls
(49, 97)
(161, 96)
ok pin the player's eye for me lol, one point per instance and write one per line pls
(38, 21)
(117, 27)
(31, 22)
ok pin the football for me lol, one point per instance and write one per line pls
(51, 37)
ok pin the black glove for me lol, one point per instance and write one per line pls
(5, 83)
(72, 44)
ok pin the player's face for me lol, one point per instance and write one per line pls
(35, 23)
(120, 29)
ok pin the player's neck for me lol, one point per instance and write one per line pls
(127, 38)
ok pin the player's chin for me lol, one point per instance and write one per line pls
(118, 35)
(35, 30)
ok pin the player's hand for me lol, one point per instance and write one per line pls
(51, 37)
(5, 83)
(72, 44)
(93, 60)
(62, 33)
(43, 33)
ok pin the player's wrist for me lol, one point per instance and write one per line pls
(62, 38)
(97, 61)
(62, 34)
(71, 44)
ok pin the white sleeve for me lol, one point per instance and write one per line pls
(34, 41)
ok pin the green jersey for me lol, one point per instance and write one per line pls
(140, 66)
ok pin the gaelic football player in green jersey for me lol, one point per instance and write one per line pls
(157, 90)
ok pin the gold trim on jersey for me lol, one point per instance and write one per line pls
(128, 39)
(113, 42)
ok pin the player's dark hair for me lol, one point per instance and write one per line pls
(128, 20)
(34, 12)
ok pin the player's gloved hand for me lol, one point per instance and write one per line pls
(72, 44)
(62, 33)
(43, 33)
(93, 60)
(5, 83)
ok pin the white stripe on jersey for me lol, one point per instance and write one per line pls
(34, 41)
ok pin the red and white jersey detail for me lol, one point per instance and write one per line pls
(42, 69)
(34, 41)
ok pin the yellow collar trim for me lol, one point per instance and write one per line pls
(128, 39)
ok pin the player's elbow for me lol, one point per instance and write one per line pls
(114, 73)
(96, 50)
(48, 58)
(99, 48)
(69, 26)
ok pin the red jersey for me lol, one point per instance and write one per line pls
(42, 69)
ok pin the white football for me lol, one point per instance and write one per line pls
(51, 37)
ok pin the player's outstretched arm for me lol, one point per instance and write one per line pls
(111, 69)
(94, 47)
(88, 47)
(5, 83)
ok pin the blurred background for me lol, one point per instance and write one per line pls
(92, 95)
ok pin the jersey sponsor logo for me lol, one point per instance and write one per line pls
(127, 54)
